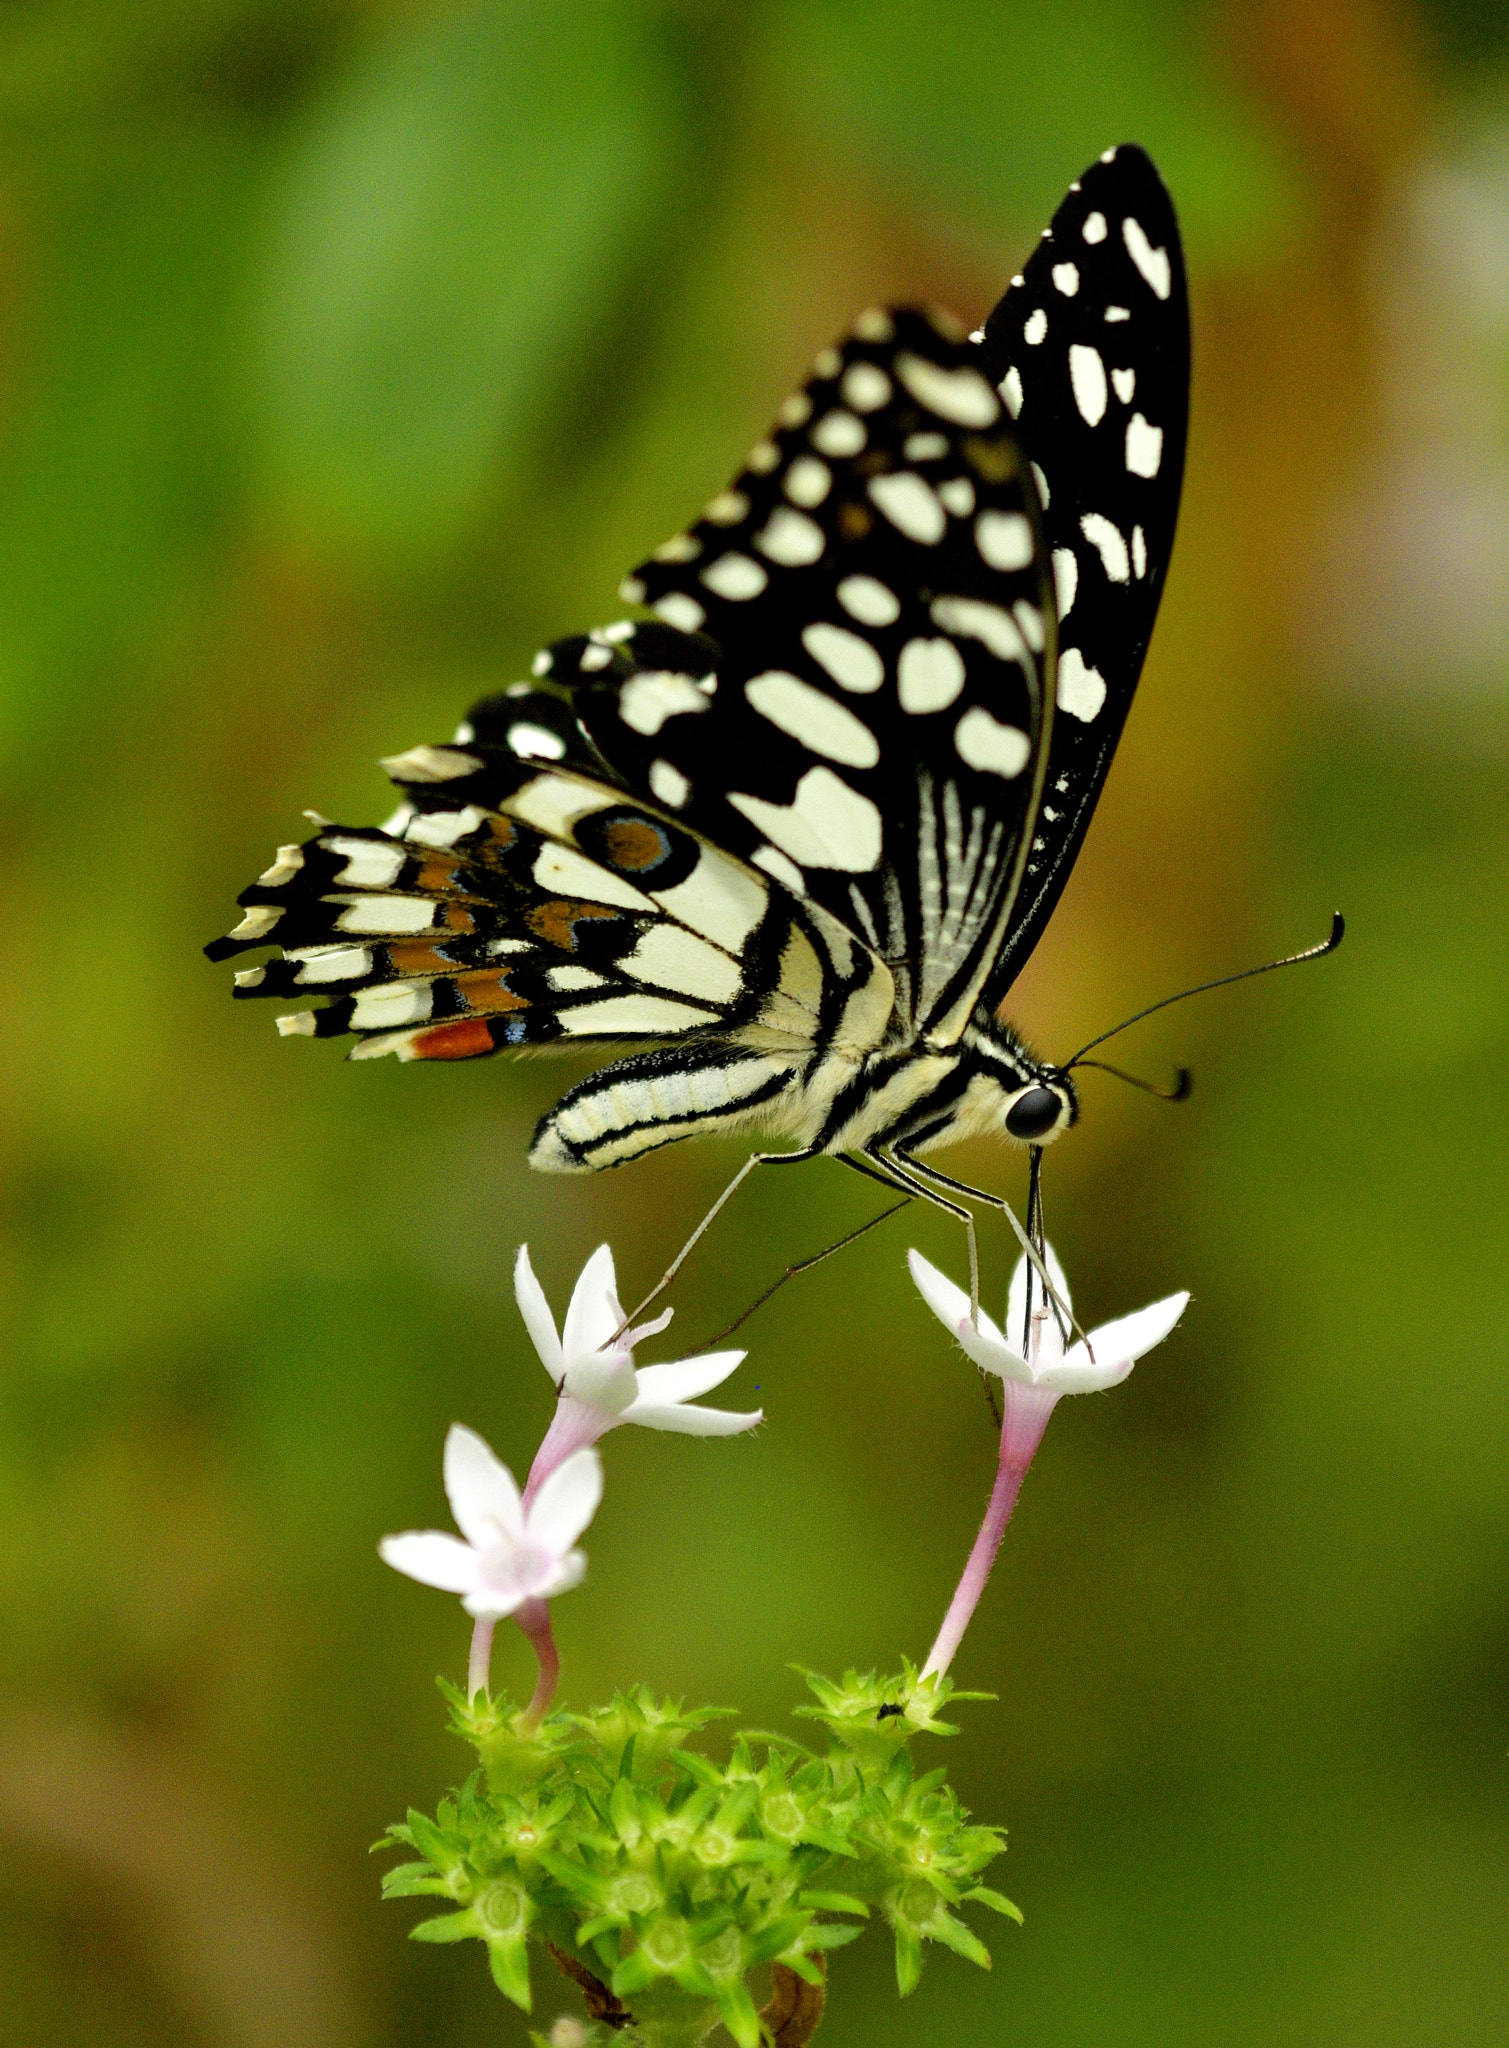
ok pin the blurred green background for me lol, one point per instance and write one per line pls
(349, 349)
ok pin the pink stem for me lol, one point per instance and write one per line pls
(479, 1668)
(534, 1619)
(1025, 1416)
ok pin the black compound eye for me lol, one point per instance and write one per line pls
(1034, 1114)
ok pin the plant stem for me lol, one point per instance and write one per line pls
(534, 1619)
(479, 1665)
(1025, 1412)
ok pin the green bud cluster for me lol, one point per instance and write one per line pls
(668, 1877)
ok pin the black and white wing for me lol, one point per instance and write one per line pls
(872, 602)
(1090, 349)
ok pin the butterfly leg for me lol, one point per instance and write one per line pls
(755, 1159)
(932, 1175)
(885, 1166)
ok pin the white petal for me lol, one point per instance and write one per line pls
(594, 1313)
(481, 1491)
(686, 1421)
(1016, 1299)
(989, 1350)
(983, 1343)
(687, 1377)
(566, 1503)
(569, 1572)
(604, 1379)
(538, 1320)
(433, 1558)
(1117, 1347)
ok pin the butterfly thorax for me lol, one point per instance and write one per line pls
(924, 1096)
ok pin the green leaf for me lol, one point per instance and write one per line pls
(908, 1960)
(455, 228)
(737, 2011)
(403, 1884)
(830, 1934)
(446, 1927)
(997, 1902)
(509, 1961)
(833, 1902)
(955, 1935)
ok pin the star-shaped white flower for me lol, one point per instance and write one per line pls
(1087, 1367)
(1033, 1381)
(511, 1554)
(596, 1378)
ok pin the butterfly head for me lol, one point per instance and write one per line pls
(1034, 1102)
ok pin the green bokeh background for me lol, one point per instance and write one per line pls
(348, 350)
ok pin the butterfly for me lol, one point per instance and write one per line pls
(785, 842)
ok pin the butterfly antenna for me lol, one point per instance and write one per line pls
(1183, 1088)
(1327, 945)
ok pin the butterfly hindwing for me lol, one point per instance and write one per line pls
(1090, 349)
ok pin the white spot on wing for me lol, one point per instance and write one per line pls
(564, 872)
(1042, 486)
(290, 859)
(972, 618)
(960, 395)
(796, 411)
(631, 1017)
(1125, 382)
(838, 433)
(874, 324)
(958, 494)
(911, 505)
(1066, 277)
(1065, 579)
(727, 509)
(814, 718)
(1094, 229)
(1036, 329)
(1087, 373)
(680, 610)
(867, 599)
(1108, 539)
(735, 577)
(785, 871)
(1139, 552)
(866, 387)
(791, 538)
(669, 784)
(1153, 263)
(1010, 388)
(925, 447)
(1004, 539)
(853, 663)
(1114, 313)
(929, 675)
(675, 959)
(1081, 690)
(646, 701)
(1030, 621)
(826, 825)
(681, 547)
(535, 742)
(429, 764)
(1144, 446)
(807, 481)
(994, 749)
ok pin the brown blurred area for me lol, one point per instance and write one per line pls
(282, 491)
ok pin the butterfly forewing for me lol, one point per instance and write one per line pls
(851, 694)
(1090, 350)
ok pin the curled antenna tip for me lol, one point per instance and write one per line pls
(1338, 931)
(1184, 1085)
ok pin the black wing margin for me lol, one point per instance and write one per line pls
(1090, 350)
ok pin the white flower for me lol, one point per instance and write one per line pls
(511, 1553)
(596, 1378)
(1087, 1367)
